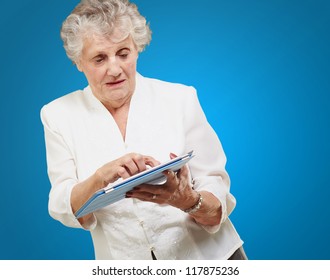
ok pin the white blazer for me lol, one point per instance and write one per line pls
(81, 136)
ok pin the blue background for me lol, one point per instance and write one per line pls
(261, 69)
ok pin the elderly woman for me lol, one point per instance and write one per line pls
(117, 126)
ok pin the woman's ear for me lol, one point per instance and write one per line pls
(78, 64)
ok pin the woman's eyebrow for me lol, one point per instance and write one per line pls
(123, 48)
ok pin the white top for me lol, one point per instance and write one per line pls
(81, 136)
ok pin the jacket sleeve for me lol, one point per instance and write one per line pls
(208, 168)
(61, 169)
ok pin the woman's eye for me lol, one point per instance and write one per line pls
(99, 59)
(124, 55)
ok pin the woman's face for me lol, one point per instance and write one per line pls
(110, 69)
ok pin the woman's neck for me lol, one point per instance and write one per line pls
(120, 115)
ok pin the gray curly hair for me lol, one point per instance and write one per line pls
(102, 17)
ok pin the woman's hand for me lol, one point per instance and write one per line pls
(122, 167)
(178, 192)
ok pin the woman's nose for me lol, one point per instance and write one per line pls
(114, 68)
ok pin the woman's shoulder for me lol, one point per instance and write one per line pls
(180, 97)
(64, 108)
(163, 85)
(68, 100)
(168, 91)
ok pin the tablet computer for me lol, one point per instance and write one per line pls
(117, 190)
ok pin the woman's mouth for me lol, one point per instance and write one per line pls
(115, 83)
